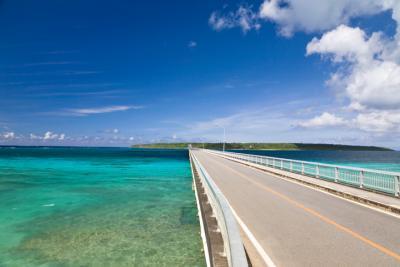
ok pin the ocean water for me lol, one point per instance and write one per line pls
(97, 207)
(378, 160)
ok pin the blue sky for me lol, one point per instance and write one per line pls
(118, 73)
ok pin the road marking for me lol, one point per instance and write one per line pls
(320, 216)
(264, 170)
(267, 259)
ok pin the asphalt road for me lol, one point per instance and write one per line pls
(300, 226)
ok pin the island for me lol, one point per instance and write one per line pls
(262, 146)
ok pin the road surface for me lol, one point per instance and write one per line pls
(300, 226)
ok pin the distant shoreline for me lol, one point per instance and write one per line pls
(262, 146)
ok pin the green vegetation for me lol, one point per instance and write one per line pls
(261, 146)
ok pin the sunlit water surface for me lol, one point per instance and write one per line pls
(97, 207)
(379, 160)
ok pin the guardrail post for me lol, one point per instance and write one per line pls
(361, 179)
(336, 174)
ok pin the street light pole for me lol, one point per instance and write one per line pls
(223, 145)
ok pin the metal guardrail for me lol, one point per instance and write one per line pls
(381, 181)
(233, 244)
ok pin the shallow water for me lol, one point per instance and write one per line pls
(97, 207)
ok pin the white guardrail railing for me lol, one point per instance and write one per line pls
(381, 181)
(233, 244)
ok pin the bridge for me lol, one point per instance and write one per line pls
(261, 211)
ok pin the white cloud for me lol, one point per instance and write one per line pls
(115, 131)
(346, 44)
(372, 78)
(9, 135)
(302, 15)
(50, 136)
(324, 120)
(243, 17)
(369, 76)
(192, 44)
(379, 121)
(376, 122)
(100, 110)
(314, 16)
(367, 65)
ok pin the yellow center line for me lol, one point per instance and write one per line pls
(318, 215)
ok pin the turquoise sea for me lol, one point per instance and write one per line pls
(97, 207)
(379, 160)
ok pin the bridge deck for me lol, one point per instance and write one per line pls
(300, 226)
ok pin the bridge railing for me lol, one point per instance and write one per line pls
(380, 181)
(233, 244)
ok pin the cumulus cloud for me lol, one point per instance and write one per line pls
(368, 73)
(301, 15)
(244, 18)
(50, 136)
(378, 121)
(9, 135)
(345, 43)
(370, 78)
(367, 65)
(323, 120)
(100, 110)
(314, 16)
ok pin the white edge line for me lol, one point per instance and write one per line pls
(267, 259)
